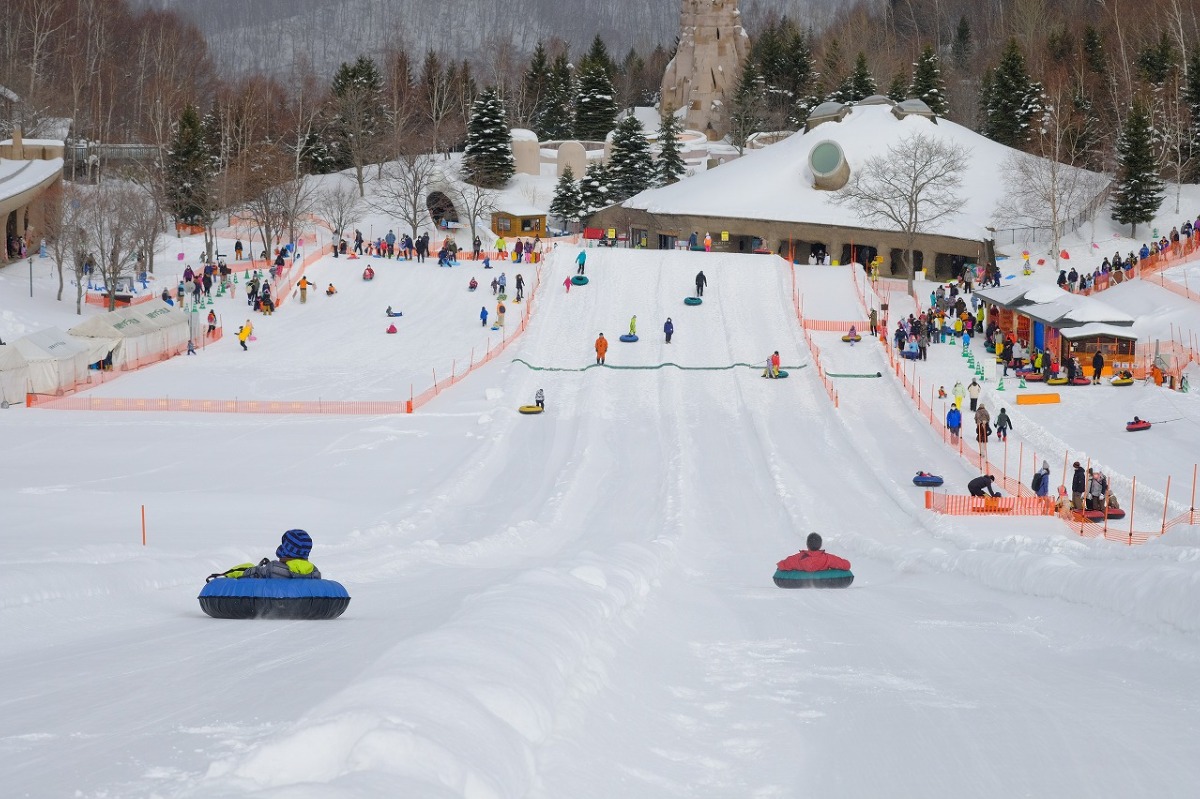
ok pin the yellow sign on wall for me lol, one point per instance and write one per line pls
(724, 235)
(612, 232)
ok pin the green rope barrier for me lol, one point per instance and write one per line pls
(832, 374)
(653, 366)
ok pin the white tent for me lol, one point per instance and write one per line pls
(57, 362)
(14, 376)
(135, 334)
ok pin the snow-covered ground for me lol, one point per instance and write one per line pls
(580, 604)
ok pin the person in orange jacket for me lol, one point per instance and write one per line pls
(813, 559)
(601, 348)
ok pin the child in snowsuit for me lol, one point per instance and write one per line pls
(292, 560)
(539, 399)
(483, 316)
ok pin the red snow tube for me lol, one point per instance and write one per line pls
(1035, 377)
(1098, 515)
(1133, 427)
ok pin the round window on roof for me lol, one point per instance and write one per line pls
(829, 167)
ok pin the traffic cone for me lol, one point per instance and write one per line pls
(1000, 387)
(1022, 383)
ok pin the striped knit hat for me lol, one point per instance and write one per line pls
(296, 544)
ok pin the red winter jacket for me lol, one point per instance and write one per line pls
(812, 561)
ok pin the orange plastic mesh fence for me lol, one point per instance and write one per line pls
(966, 505)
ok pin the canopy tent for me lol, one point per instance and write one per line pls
(57, 362)
(14, 376)
(134, 334)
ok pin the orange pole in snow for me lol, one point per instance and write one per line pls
(143, 525)
(1166, 498)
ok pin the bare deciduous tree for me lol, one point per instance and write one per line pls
(64, 214)
(402, 190)
(475, 202)
(908, 189)
(338, 203)
(110, 219)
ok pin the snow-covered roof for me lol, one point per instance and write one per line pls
(19, 176)
(1097, 329)
(1048, 303)
(776, 183)
(519, 209)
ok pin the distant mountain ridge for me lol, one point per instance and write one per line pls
(268, 35)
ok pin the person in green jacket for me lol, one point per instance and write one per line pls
(633, 325)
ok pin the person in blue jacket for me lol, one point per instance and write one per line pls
(954, 422)
(668, 329)
(580, 261)
(483, 316)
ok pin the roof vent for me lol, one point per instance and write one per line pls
(828, 164)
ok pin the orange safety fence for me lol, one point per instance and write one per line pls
(797, 303)
(101, 300)
(967, 505)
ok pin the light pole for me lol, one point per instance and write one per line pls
(31, 277)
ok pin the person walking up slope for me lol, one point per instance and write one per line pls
(701, 282)
(601, 348)
(954, 422)
(483, 316)
(973, 392)
(539, 399)
(668, 329)
(580, 261)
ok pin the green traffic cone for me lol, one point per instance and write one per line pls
(1022, 383)
(1000, 387)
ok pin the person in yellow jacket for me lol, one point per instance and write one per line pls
(244, 334)
(633, 325)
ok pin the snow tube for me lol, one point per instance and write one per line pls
(852, 338)
(629, 338)
(529, 409)
(927, 480)
(1033, 377)
(495, 327)
(782, 374)
(1133, 427)
(1081, 381)
(579, 280)
(258, 598)
(502, 297)
(1057, 381)
(829, 578)
(1098, 515)
(1122, 381)
(692, 300)
(370, 277)
(472, 288)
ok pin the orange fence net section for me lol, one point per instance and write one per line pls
(960, 505)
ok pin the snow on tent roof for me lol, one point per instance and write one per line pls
(1097, 329)
(775, 183)
(48, 345)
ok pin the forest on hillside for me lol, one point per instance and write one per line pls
(1011, 69)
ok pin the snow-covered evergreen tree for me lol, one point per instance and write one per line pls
(567, 204)
(190, 170)
(593, 189)
(557, 118)
(630, 166)
(534, 86)
(1192, 96)
(927, 83)
(898, 88)
(747, 106)
(596, 104)
(1010, 100)
(669, 166)
(357, 110)
(862, 82)
(960, 50)
(488, 158)
(1139, 191)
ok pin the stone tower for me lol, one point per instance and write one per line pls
(703, 75)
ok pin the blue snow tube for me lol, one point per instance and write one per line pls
(829, 578)
(927, 480)
(266, 598)
(629, 338)
(692, 300)
(579, 280)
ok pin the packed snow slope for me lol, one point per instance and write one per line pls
(571, 604)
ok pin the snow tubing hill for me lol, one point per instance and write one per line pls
(829, 578)
(579, 280)
(259, 598)
(927, 480)
(692, 300)
(1133, 427)
(529, 409)
(629, 338)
